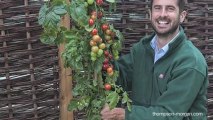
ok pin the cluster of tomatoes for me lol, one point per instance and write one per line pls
(101, 40)
(96, 43)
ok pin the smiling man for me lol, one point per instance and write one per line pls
(166, 74)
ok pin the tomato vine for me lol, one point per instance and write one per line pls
(91, 45)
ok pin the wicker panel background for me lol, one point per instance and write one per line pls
(29, 79)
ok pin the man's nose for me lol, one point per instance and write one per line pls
(163, 12)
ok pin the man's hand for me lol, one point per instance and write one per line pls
(114, 114)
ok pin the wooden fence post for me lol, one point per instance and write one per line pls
(65, 79)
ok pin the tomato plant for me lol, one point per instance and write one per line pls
(91, 45)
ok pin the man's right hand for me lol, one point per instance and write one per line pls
(114, 114)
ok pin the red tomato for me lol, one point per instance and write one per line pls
(112, 35)
(106, 61)
(91, 22)
(93, 13)
(99, 2)
(105, 66)
(107, 86)
(93, 17)
(100, 14)
(108, 32)
(92, 43)
(96, 38)
(104, 27)
(106, 53)
(94, 32)
(110, 56)
(109, 70)
(110, 74)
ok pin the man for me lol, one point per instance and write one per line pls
(166, 74)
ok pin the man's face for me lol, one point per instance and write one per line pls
(165, 17)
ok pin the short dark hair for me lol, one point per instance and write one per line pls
(181, 4)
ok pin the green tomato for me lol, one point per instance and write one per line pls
(90, 2)
(115, 45)
(95, 49)
(115, 53)
(100, 52)
(116, 57)
(93, 58)
(85, 4)
(93, 54)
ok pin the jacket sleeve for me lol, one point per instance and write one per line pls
(181, 92)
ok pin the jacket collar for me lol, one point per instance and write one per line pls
(173, 45)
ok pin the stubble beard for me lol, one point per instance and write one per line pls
(168, 32)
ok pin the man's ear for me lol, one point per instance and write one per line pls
(183, 16)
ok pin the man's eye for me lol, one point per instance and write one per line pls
(171, 8)
(157, 8)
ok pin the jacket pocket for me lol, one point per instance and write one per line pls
(162, 80)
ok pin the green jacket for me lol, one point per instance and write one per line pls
(169, 89)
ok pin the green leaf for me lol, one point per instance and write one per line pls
(54, 18)
(79, 13)
(95, 82)
(48, 38)
(117, 33)
(59, 10)
(48, 18)
(73, 105)
(57, 2)
(128, 106)
(70, 35)
(89, 28)
(42, 14)
(125, 98)
(113, 99)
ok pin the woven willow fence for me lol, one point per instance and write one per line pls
(29, 71)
